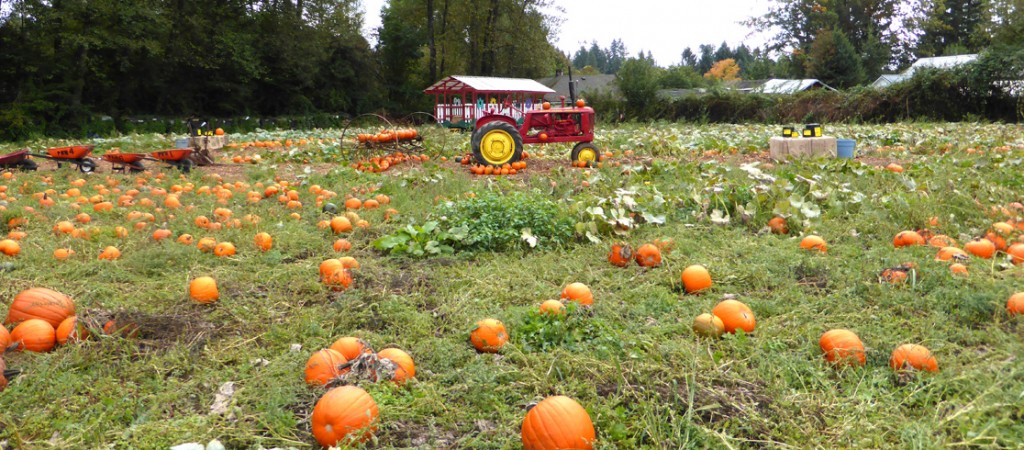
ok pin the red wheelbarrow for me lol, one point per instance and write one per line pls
(125, 161)
(77, 155)
(177, 157)
(17, 160)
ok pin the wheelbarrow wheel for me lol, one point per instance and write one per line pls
(87, 166)
(27, 165)
(185, 165)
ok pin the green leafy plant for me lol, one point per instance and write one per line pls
(505, 221)
(422, 240)
(540, 332)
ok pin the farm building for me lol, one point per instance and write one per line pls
(941, 62)
(460, 100)
(783, 86)
(593, 84)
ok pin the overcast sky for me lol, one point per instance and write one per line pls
(665, 27)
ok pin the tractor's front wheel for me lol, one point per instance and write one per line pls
(585, 152)
(497, 143)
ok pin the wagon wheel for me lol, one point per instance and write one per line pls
(586, 152)
(87, 165)
(442, 131)
(27, 165)
(368, 149)
(497, 143)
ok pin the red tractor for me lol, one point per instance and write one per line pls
(496, 139)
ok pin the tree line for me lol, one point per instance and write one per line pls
(66, 65)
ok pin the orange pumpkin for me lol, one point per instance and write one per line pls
(907, 238)
(5, 340)
(40, 303)
(1015, 305)
(342, 245)
(340, 225)
(489, 335)
(161, 234)
(1016, 252)
(339, 280)
(778, 225)
(620, 255)
(913, 356)
(552, 308)
(696, 278)
(813, 242)
(579, 293)
(62, 254)
(206, 244)
(558, 422)
(10, 247)
(982, 248)
(735, 315)
(351, 347)
(708, 325)
(34, 335)
(110, 253)
(71, 331)
(344, 413)
(203, 290)
(648, 255)
(224, 249)
(404, 366)
(842, 347)
(949, 253)
(353, 203)
(263, 241)
(958, 268)
(324, 366)
(941, 240)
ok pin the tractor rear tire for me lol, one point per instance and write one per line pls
(586, 152)
(497, 143)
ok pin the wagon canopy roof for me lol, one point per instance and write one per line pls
(463, 83)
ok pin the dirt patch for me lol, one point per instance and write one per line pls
(811, 277)
(403, 434)
(153, 331)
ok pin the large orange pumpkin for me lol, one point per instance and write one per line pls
(5, 339)
(778, 225)
(552, 308)
(735, 315)
(40, 303)
(263, 241)
(620, 254)
(696, 278)
(648, 255)
(1015, 305)
(489, 335)
(404, 366)
(907, 239)
(34, 335)
(346, 412)
(351, 347)
(842, 347)
(203, 290)
(558, 422)
(813, 242)
(71, 331)
(1016, 252)
(913, 356)
(982, 248)
(323, 367)
(578, 292)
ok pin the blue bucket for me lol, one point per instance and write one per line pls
(845, 148)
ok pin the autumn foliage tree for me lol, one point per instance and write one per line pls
(724, 70)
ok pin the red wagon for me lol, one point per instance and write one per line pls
(126, 161)
(177, 157)
(77, 155)
(17, 160)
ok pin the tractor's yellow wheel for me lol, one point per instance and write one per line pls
(586, 152)
(497, 143)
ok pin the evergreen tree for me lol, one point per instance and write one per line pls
(834, 61)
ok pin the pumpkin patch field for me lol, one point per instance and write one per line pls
(687, 291)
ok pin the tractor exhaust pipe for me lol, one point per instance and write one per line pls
(572, 87)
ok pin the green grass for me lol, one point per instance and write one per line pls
(632, 362)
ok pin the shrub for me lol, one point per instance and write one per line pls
(506, 221)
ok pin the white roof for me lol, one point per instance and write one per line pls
(457, 83)
(780, 86)
(939, 62)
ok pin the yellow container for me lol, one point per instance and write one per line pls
(813, 130)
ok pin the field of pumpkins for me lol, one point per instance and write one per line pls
(687, 292)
